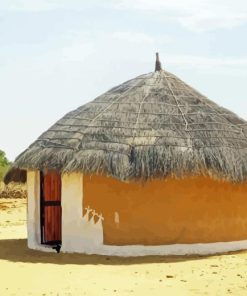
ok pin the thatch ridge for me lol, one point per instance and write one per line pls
(151, 126)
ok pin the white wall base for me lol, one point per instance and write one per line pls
(165, 250)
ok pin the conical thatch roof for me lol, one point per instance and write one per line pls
(151, 126)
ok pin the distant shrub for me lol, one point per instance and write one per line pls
(4, 164)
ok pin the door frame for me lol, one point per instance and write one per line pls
(43, 204)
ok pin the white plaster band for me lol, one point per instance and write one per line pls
(175, 249)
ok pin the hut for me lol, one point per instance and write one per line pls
(149, 167)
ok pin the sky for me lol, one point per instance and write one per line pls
(56, 55)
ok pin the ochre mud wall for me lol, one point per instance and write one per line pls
(169, 211)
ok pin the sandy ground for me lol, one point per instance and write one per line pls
(26, 272)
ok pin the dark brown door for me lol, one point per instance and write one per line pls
(51, 211)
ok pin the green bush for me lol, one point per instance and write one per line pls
(4, 164)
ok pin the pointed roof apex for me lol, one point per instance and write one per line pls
(158, 66)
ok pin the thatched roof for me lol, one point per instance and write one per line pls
(151, 126)
(15, 175)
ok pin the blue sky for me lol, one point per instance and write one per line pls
(56, 55)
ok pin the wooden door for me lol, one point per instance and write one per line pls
(51, 211)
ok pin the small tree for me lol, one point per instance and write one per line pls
(4, 164)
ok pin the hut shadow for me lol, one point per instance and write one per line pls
(15, 250)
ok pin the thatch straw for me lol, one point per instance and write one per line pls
(152, 126)
(15, 175)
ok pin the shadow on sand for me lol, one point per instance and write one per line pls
(15, 250)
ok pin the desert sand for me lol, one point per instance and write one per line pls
(27, 272)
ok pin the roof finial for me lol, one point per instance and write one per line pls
(157, 63)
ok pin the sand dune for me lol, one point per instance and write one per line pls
(27, 272)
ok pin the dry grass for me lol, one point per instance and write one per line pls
(13, 190)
